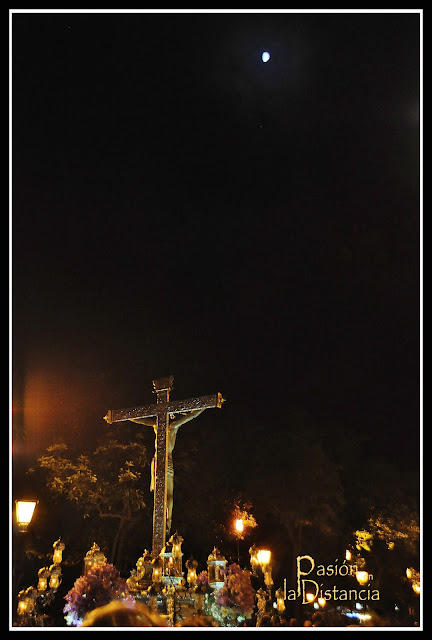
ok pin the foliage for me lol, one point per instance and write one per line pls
(396, 531)
(242, 511)
(383, 524)
(307, 494)
(107, 483)
(386, 546)
(397, 527)
(363, 540)
(101, 585)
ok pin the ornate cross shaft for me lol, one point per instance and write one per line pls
(165, 439)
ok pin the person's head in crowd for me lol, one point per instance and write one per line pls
(120, 613)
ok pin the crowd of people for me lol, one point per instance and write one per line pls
(120, 613)
(126, 614)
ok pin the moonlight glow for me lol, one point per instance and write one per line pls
(265, 57)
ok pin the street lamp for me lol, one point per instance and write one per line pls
(239, 526)
(414, 577)
(238, 531)
(263, 557)
(58, 547)
(24, 513)
(32, 600)
(43, 577)
(24, 510)
(280, 600)
(55, 576)
(27, 603)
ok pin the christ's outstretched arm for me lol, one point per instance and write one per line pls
(149, 422)
(177, 422)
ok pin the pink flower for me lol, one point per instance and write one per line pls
(202, 581)
(237, 590)
(101, 585)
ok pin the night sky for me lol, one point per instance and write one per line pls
(180, 207)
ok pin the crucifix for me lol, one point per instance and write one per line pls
(163, 417)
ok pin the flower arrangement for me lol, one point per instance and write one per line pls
(98, 587)
(202, 584)
(234, 602)
(238, 591)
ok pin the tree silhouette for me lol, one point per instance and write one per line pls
(106, 485)
(296, 488)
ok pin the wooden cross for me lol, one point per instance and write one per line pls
(161, 411)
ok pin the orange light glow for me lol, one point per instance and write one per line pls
(24, 513)
(362, 577)
(239, 526)
(264, 556)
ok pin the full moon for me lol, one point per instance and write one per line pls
(265, 56)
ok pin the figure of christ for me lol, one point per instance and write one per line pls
(174, 426)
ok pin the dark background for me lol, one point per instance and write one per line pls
(179, 207)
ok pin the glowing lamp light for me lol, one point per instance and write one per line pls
(239, 526)
(263, 556)
(58, 547)
(22, 604)
(362, 577)
(157, 575)
(27, 601)
(265, 56)
(191, 566)
(364, 616)
(43, 575)
(192, 577)
(322, 602)
(348, 555)
(268, 579)
(24, 513)
(170, 566)
(310, 597)
(409, 573)
(55, 576)
(93, 557)
(416, 588)
(280, 601)
(157, 570)
(176, 542)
